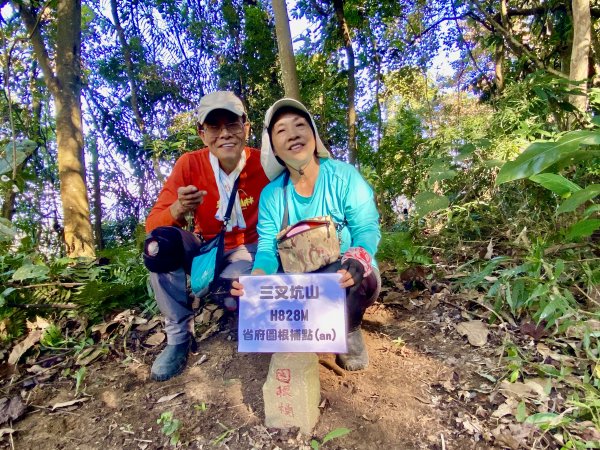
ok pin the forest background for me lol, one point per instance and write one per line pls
(486, 177)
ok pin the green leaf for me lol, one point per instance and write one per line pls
(465, 151)
(483, 143)
(442, 175)
(521, 412)
(24, 148)
(579, 198)
(541, 155)
(550, 308)
(555, 183)
(583, 228)
(7, 230)
(427, 202)
(540, 93)
(314, 444)
(547, 420)
(338, 432)
(493, 163)
(8, 291)
(30, 271)
(591, 210)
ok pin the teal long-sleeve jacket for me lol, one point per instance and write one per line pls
(340, 192)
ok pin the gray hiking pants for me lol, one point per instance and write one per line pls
(169, 282)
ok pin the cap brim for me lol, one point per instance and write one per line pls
(224, 108)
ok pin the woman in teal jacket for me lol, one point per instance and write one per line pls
(295, 159)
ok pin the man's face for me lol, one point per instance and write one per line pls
(224, 133)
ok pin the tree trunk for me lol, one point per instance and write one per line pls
(65, 87)
(79, 239)
(499, 56)
(338, 6)
(499, 67)
(97, 194)
(581, 51)
(596, 59)
(286, 51)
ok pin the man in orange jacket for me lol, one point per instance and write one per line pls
(200, 185)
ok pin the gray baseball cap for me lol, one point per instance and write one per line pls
(218, 100)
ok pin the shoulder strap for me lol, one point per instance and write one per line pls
(286, 219)
(232, 197)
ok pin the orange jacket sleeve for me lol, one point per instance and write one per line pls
(160, 215)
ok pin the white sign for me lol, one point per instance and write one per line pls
(292, 313)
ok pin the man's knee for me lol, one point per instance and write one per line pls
(163, 250)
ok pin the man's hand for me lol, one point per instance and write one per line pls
(237, 288)
(352, 272)
(188, 199)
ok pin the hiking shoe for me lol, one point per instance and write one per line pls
(170, 362)
(357, 357)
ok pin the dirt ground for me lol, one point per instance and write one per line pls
(423, 389)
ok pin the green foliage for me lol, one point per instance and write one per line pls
(541, 155)
(427, 202)
(579, 198)
(333, 434)
(93, 289)
(79, 377)
(170, 427)
(400, 249)
(15, 154)
(555, 183)
(52, 337)
(539, 286)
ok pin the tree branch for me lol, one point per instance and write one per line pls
(39, 48)
(517, 47)
(462, 39)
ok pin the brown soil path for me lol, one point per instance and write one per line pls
(419, 392)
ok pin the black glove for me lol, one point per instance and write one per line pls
(355, 269)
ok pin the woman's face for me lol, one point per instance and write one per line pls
(293, 139)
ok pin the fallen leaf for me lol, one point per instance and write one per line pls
(19, 349)
(530, 389)
(86, 357)
(475, 330)
(155, 339)
(579, 330)
(35, 369)
(69, 403)
(547, 353)
(208, 333)
(11, 409)
(509, 407)
(105, 329)
(472, 426)
(506, 440)
(590, 433)
(203, 317)
(535, 331)
(490, 250)
(148, 326)
(168, 398)
(38, 324)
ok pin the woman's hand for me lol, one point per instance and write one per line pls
(237, 288)
(352, 272)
